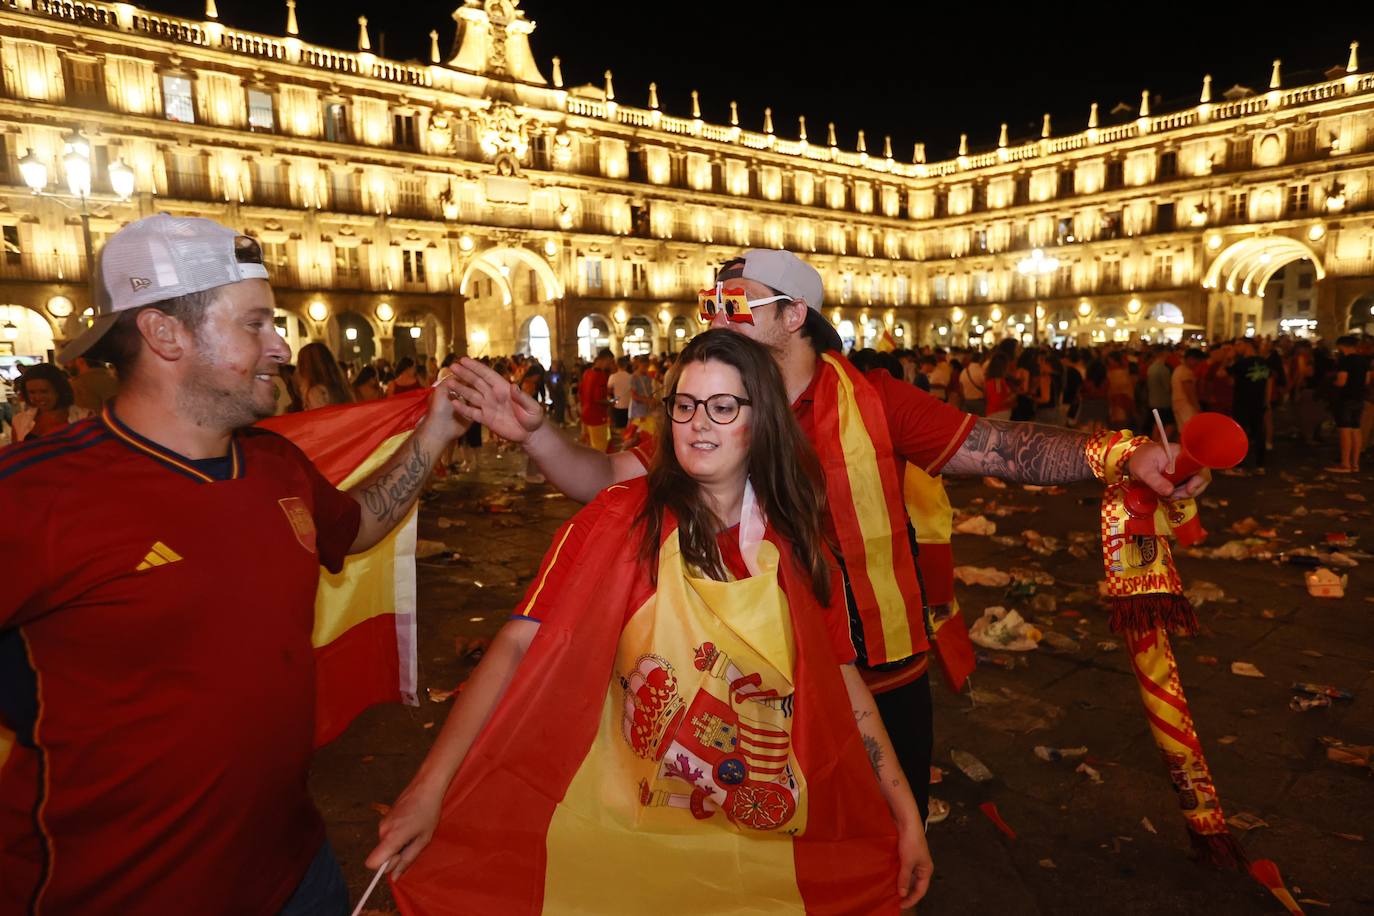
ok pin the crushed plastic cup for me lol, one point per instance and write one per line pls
(970, 766)
(1053, 754)
(1303, 704)
(1245, 669)
(982, 575)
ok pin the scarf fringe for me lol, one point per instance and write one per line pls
(1220, 851)
(1141, 613)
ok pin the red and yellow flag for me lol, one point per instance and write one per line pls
(364, 633)
(696, 755)
(865, 502)
(932, 516)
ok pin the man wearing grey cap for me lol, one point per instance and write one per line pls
(156, 666)
(865, 429)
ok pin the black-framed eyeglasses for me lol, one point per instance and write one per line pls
(721, 409)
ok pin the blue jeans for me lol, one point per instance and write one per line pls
(322, 891)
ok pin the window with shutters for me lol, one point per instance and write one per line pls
(413, 266)
(1164, 269)
(410, 196)
(274, 258)
(1111, 275)
(1238, 206)
(85, 83)
(1299, 199)
(346, 270)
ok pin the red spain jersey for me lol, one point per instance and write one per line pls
(157, 673)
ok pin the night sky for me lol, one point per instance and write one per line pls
(885, 68)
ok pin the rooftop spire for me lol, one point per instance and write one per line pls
(558, 73)
(433, 44)
(610, 88)
(1045, 127)
(1353, 64)
(918, 155)
(696, 104)
(830, 134)
(887, 147)
(653, 96)
(734, 114)
(963, 144)
(364, 43)
(292, 27)
(1092, 116)
(1206, 90)
(1002, 137)
(1144, 103)
(1274, 80)
(801, 121)
(863, 144)
(768, 120)
(211, 11)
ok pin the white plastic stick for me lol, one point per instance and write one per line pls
(371, 887)
(1163, 439)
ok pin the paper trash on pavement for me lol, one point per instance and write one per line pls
(1004, 630)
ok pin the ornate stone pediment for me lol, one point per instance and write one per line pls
(504, 135)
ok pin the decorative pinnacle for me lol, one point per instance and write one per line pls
(696, 104)
(1002, 137)
(1274, 79)
(1206, 90)
(292, 27)
(653, 96)
(211, 11)
(1353, 64)
(1045, 127)
(768, 120)
(863, 144)
(1144, 103)
(887, 147)
(364, 43)
(802, 124)
(963, 144)
(558, 73)
(433, 46)
(610, 88)
(734, 114)
(1092, 117)
(918, 155)
(830, 134)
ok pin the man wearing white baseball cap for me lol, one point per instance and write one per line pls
(865, 428)
(156, 666)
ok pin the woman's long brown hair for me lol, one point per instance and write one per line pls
(782, 467)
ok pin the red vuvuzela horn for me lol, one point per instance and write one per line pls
(1210, 440)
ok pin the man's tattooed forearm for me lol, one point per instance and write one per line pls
(1021, 453)
(389, 496)
(875, 753)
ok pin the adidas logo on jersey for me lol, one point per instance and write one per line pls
(160, 555)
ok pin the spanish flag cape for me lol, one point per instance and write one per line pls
(680, 748)
(864, 496)
(364, 633)
(928, 507)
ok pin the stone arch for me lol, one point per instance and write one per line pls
(32, 328)
(550, 285)
(479, 265)
(1246, 266)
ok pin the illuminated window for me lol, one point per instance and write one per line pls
(346, 265)
(260, 110)
(85, 85)
(274, 258)
(593, 273)
(176, 99)
(336, 122)
(1238, 206)
(413, 265)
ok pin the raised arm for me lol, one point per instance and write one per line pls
(915, 865)
(410, 824)
(501, 406)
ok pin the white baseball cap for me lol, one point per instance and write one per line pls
(162, 257)
(785, 272)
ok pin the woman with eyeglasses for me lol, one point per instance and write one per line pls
(672, 721)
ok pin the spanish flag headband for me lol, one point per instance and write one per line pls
(732, 302)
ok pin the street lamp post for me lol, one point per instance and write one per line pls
(76, 163)
(1035, 267)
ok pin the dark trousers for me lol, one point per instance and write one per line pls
(908, 718)
(1252, 421)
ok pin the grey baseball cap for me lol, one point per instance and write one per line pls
(788, 274)
(162, 257)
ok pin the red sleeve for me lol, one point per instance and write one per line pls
(26, 543)
(337, 515)
(558, 563)
(925, 430)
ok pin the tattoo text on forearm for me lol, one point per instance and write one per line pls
(1021, 453)
(390, 496)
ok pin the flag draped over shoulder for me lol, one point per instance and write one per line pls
(364, 633)
(695, 755)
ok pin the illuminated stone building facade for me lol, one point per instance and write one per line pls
(474, 203)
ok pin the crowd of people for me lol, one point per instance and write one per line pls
(727, 650)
